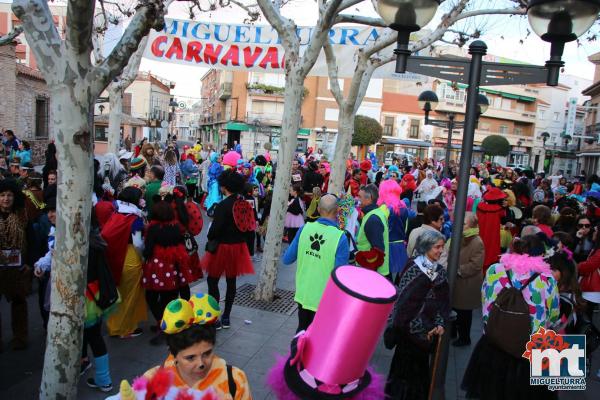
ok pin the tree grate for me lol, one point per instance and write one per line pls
(283, 304)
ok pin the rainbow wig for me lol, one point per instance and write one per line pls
(389, 194)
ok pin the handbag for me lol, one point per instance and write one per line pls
(212, 246)
(190, 243)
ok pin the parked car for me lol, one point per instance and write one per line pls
(390, 155)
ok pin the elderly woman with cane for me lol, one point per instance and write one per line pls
(418, 321)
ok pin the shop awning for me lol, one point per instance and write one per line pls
(503, 94)
(405, 142)
(273, 130)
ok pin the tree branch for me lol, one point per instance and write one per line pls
(286, 28)
(250, 9)
(149, 15)
(345, 4)
(332, 70)
(80, 14)
(359, 19)
(133, 66)
(327, 14)
(46, 43)
(10, 36)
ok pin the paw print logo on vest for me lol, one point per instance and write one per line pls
(317, 240)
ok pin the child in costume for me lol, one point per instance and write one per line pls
(192, 367)
(214, 171)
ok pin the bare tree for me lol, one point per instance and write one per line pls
(369, 59)
(74, 83)
(297, 67)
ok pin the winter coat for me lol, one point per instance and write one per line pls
(467, 290)
(589, 271)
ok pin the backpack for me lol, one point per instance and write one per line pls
(243, 215)
(509, 322)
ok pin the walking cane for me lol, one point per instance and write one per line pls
(436, 361)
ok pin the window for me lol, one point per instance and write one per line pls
(506, 104)
(100, 133)
(518, 159)
(133, 133)
(556, 116)
(520, 106)
(503, 129)
(331, 114)
(542, 114)
(447, 93)
(41, 117)
(484, 126)
(388, 126)
(498, 102)
(519, 131)
(413, 132)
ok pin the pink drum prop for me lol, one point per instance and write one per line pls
(348, 324)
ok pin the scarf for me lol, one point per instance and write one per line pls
(427, 266)
(470, 232)
(128, 208)
(12, 231)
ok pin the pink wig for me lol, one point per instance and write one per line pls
(389, 194)
(231, 158)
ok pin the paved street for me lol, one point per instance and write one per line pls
(252, 347)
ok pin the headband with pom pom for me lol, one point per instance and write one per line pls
(180, 314)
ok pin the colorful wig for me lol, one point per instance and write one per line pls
(389, 194)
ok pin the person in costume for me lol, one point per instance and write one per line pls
(294, 217)
(157, 174)
(428, 188)
(94, 314)
(138, 167)
(494, 370)
(490, 213)
(228, 254)
(167, 266)
(467, 293)
(420, 315)
(123, 235)
(189, 327)
(114, 171)
(373, 239)
(352, 185)
(171, 166)
(15, 273)
(189, 176)
(365, 167)
(189, 216)
(318, 248)
(398, 214)
(214, 171)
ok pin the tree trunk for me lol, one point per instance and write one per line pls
(287, 147)
(115, 99)
(342, 150)
(73, 133)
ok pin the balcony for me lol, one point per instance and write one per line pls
(270, 119)
(592, 129)
(225, 90)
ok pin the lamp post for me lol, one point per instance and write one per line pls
(556, 21)
(428, 101)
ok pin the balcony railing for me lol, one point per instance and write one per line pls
(592, 129)
(225, 90)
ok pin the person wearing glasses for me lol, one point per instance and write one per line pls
(583, 238)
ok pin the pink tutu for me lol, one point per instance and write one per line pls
(294, 221)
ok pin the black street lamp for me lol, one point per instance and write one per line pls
(545, 136)
(428, 101)
(557, 21)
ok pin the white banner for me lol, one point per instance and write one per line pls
(256, 47)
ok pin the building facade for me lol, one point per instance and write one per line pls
(589, 155)
(25, 103)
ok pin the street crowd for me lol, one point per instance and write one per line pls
(522, 230)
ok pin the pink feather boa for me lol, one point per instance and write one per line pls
(276, 381)
(523, 264)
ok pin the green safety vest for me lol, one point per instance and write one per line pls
(317, 246)
(362, 243)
